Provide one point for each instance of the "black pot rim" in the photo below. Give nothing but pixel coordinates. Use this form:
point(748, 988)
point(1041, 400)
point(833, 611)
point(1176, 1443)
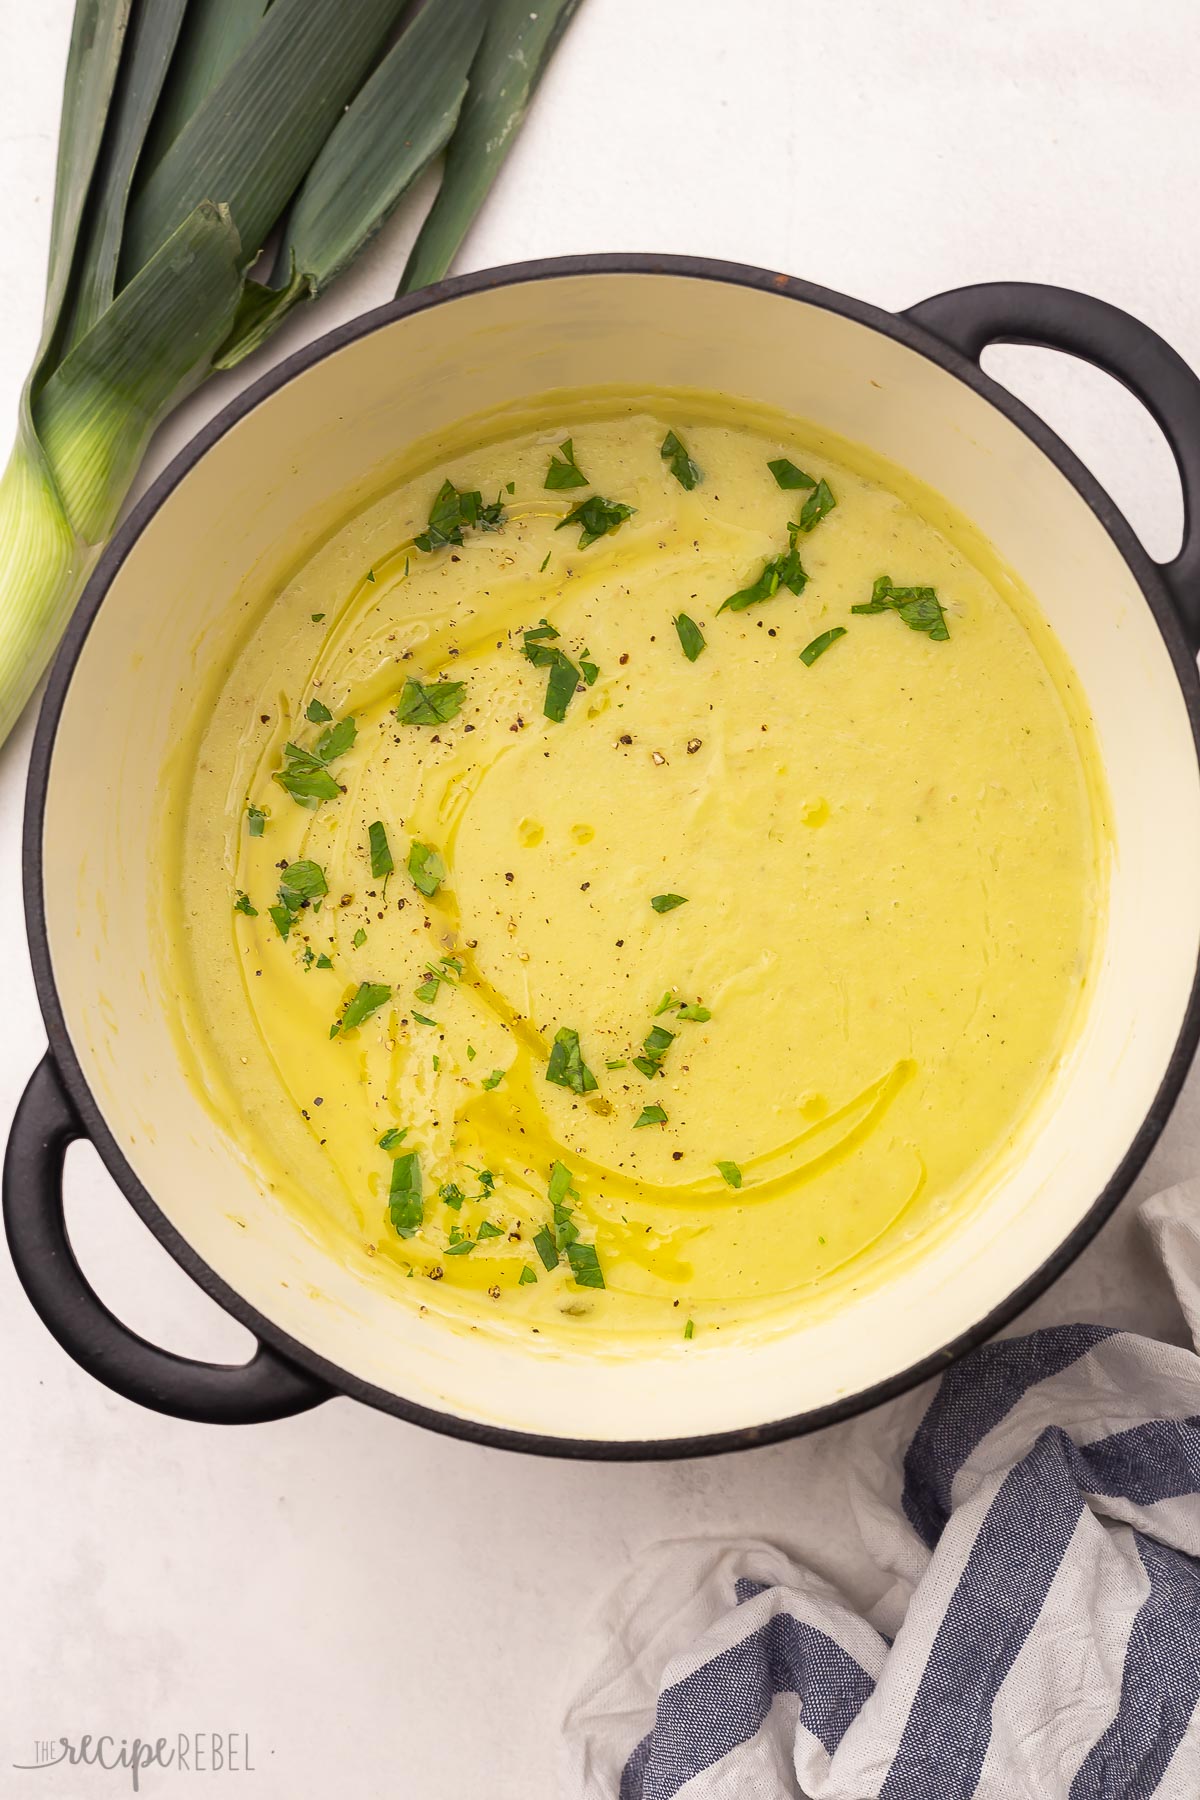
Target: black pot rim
point(896, 326)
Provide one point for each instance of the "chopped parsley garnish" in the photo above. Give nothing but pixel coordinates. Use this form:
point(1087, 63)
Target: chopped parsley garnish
point(787, 475)
point(566, 1067)
point(566, 1231)
point(654, 1047)
point(305, 777)
point(367, 999)
point(242, 904)
point(651, 1115)
point(564, 471)
point(381, 855)
point(431, 981)
point(452, 1194)
point(488, 1230)
point(324, 962)
point(691, 638)
point(256, 819)
point(537, 647)
point(359, 938)
point(406, 1208)
point(820, 644)
point(421, 1019)
point(526, 1276)
point(305, 774)
point(551, 1242)
point(619, 1063)
point(560, 688)
point(542, 571)
point(683, 468)
point(560, 1184)
point(316, 617)
point(301, 883)
point(596, 517)
point(689, 1330)
point(494, 1079)
point(731, 1172)
point(778, 571)
point(919, 607)
point(426, 868)
point(459, 1245)
point(370, 575)
point(585, 1265)
point(395, 1134)
point(335, 740)
point(699, 1015)
point(433, 703)
point(667, 902)
point(819, 502)
point(453, 512)
point(317, 713)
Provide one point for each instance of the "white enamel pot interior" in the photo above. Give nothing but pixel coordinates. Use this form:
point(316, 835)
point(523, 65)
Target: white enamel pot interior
point(294, 452)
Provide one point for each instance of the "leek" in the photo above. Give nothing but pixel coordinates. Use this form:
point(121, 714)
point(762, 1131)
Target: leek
point(519, 41)
point(193, 132)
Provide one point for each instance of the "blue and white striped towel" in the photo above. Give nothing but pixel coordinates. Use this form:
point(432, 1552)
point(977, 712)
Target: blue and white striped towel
point(1038, 1514)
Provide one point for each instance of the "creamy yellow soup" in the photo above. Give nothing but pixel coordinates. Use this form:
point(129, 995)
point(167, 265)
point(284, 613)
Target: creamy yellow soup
point(645, 935)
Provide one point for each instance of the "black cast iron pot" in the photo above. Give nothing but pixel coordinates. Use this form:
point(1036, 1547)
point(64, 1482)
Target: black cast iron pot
point(309, 437)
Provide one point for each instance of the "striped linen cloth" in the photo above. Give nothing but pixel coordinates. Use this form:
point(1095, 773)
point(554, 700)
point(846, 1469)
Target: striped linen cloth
point(1035, 1517)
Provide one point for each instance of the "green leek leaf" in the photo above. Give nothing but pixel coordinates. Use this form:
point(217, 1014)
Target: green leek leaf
point(97, 38)
point(153, 30)
point(254, 136)
point(519, 41)
point(260, 310)
point(214, 34)
point(399, 121)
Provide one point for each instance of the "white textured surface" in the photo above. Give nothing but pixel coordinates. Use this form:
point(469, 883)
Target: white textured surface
point(382, 1611)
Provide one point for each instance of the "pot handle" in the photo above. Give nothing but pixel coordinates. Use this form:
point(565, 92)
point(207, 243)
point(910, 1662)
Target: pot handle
point(267, 1387)
point(1024, 312)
